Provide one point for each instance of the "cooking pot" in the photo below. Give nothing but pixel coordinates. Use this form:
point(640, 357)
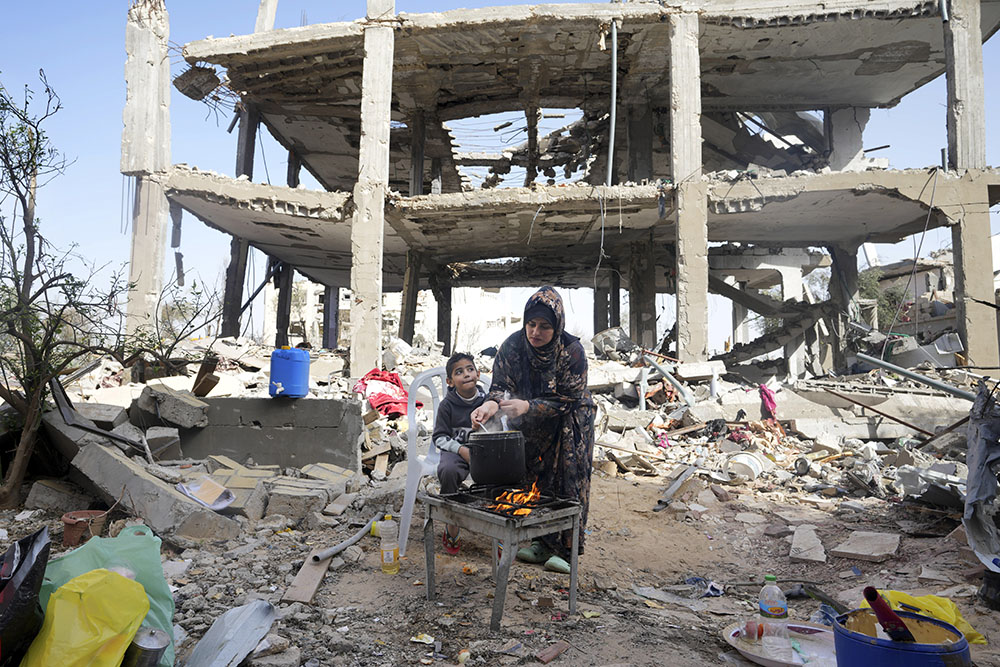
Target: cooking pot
point(497, 458)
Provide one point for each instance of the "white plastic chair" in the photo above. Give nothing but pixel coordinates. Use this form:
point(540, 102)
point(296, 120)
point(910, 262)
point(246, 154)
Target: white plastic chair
point(417, 466)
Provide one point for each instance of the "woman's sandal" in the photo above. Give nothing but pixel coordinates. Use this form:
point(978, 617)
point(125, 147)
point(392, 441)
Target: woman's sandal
point(536, 553)
point(451, 544)
point(557, 564)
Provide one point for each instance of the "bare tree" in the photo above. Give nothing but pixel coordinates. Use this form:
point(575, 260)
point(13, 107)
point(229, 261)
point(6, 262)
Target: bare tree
point(51, 315)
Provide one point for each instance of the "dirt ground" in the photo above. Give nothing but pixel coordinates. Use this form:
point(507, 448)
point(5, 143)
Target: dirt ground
point(630, 545)
point(360, 616)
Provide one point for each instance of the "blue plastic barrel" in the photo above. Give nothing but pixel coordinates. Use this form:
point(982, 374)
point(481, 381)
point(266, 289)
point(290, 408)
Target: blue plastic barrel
point(855, 649)
point(289, 373)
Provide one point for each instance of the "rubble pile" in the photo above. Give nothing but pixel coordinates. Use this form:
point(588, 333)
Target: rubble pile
point(702, 482)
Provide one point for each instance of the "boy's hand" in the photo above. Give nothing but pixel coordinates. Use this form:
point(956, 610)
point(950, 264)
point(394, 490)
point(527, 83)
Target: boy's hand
point(463, 451)
point(483, 413)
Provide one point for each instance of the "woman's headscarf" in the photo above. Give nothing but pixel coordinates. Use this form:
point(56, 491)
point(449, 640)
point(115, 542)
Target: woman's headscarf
point(546, 300)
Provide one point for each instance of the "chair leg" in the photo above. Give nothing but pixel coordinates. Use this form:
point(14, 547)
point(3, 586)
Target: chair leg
point(429, 554)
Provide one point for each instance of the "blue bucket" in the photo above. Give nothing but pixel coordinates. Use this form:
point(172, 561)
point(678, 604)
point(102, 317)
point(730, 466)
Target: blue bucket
point(855, 649)
point(289, 373)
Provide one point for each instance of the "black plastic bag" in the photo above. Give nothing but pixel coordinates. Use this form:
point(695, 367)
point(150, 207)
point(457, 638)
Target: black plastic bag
point(21, 572)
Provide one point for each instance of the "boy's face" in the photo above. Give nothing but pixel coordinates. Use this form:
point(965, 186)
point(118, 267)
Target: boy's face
point(464, 377)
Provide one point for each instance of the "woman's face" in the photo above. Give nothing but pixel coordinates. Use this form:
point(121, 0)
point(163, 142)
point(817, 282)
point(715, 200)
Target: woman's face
point(539, 332)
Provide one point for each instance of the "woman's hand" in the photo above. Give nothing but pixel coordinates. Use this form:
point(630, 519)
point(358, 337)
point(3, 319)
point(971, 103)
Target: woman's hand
point(483, 413)
point(514, 407)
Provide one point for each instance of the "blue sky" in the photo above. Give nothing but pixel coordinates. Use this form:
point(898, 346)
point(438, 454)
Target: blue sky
point(82, 53)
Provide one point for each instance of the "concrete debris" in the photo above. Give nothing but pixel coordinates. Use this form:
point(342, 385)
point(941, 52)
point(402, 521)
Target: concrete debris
point(806, 545)
point(178, 408)
point(867, 545)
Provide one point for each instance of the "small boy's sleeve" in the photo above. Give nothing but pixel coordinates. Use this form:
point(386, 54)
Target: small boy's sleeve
point(442, 422)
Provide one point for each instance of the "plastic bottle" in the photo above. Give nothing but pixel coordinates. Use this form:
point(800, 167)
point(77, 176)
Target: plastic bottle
point(389, 532)
point(773, 616)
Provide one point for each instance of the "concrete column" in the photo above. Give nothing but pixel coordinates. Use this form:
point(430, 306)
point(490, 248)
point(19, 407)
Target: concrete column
point(369, 193)
point(692, 193)
point(239, 249)
point(418, 135)
point(963, 49)
point(795, 349)
point(642, 294)
point(615, 298)
point(843, 292)
point(977, 323)
point(285, 277)
point(601, 308)
point(331, 317)
point(265, 15)
point(640, 143)
point(442, 295)
point(531, 115)
point(844, 134)
point(967, 150)
point(145, 151)
point(411, 287)
point(294, 169)
point(741, 316)
point(436, 176)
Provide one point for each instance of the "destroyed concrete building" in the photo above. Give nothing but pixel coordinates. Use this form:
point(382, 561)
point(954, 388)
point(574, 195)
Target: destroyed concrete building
point(693, 129)
point(843, 480)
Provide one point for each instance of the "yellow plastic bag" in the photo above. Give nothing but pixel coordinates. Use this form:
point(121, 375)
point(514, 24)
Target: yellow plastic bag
point(89, 622)
point(934, 606)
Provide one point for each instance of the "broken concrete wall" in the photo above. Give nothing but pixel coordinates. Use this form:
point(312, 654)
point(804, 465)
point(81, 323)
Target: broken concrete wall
point(280, 432)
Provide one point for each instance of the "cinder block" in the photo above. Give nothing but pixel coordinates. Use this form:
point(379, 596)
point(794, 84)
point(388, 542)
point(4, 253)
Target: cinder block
point(250, 495)
point(180, 408)
point(165, 509)
point(161, 438)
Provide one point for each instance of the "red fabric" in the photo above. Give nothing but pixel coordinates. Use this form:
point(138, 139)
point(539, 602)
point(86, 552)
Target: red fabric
point(768, 403)
point(385, 392)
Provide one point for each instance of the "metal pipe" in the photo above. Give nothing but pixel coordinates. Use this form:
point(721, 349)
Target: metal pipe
point(614, 99)
point(954, 391)
point(681, 389)
point(333, 551)
point(879, 412)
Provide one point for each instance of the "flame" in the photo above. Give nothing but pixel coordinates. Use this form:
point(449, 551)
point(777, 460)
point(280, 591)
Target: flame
point(517, 497)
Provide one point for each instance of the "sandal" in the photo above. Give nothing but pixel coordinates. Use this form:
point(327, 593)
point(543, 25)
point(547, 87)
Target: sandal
point(536, 553)
point(451, 544)
point(557, 564)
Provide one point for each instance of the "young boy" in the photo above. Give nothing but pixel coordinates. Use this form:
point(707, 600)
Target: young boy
point(451, 428)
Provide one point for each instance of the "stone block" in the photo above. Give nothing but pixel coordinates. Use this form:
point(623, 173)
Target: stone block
point(56, 495)
point(180, 408)
point(626, 391)
point(806, 545)
point(104, 415)
point(295, 502)
point(866, 545)
point(283, 433)
point(165, 509)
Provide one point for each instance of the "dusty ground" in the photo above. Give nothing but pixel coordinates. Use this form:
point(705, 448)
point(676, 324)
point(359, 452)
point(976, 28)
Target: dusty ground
point(361, 616)
point(628, 544)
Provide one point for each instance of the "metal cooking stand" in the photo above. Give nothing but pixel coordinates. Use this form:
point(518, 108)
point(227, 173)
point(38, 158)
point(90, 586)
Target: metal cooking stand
point(511, 530)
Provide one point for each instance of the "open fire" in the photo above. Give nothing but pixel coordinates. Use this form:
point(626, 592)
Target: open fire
point(517, 502)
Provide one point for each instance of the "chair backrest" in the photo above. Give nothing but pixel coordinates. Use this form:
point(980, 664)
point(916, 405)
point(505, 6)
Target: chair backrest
point(436, 382)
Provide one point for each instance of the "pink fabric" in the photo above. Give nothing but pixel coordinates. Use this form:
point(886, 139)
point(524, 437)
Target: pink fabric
point(384, 391)
point(768, 403)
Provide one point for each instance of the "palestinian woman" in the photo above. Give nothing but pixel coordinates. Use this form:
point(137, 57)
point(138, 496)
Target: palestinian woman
point(540, 379)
